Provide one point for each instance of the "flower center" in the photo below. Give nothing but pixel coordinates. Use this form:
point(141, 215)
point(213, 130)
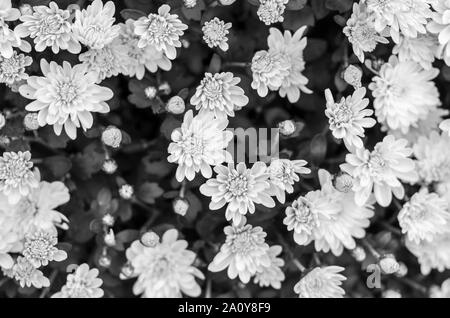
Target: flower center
point(52, 25)
point(67, 93)
point(159, 29)
point(303, 213)
point(212, 89)
point(243, 243)
point(376, 163)
point(238, 186)
point(193, 145)
point(14, 170)
point(342, 115)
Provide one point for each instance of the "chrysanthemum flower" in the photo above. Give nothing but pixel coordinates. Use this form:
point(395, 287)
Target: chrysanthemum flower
point(12, 70)
point(283, 173)
point(218, 93)
point(321, 282)
point(244, 251)
point(269, 70)
point(83, 283)
point(39, 248)
point(66, 96)
point(16, 177)
point(271, 275)
point(440, 25)
point(424, 216)
point(9, 40)
point(49, 27)
point(162, 30)
point(239, 188)
point(442, 291)
point(198, 144)
point(94, 26)
point(7, 12)
point(26, 274)
point(381, 170)
point(404, 93)
point(165, 270)
point(349, 117)
point(140, 59)
point(361, 32)
point(271, 11)
point(423, 50)
point(215, 33)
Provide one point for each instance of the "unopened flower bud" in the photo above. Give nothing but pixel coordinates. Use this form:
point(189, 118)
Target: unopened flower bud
point(127, 271)
point(108, 220)
point(287, 127)
point(104, 261)
point(359, 254)
point(126, 191)
point(2, 121)
point(352, 75)
point(110, 238)
point(109, 166)
point(391, 293)
point(185, 43)
point(389, 264)
point(26, 9)
point(180, 206)
point(402, 270)
point(30, 121)
point(151, 92)
point(164, 88)
point(176, 105)
point(190, 3)
point(227, 2)
point(344, 183)
point(150, 239)
point(4, 140)
point(112, 136)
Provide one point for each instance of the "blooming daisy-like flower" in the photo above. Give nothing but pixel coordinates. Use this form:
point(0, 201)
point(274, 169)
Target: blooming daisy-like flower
point(16, 177)
point(9, 40)
point(49, 27)
point(12, 70)
point(271, 275)
point(349, 117)
point(218, 93)
point(162, 30)
point(283, 173)
point(433, 254)
point(198, 144)
point(423, 50)
point(381, 170)
point(39, 248)
point(164, 270)
point(291, 46)
point(408, 18)
point(140, 59)
point(269, 70)
point(83, 283)
point(215, 33)
point(94, 26)
point(26, 274)
point(440, 25)
point(243, 253)
point(239, 188)
point(7, 12)
point(321, 282)
point(404, 93)
point(66, 96)
point(442, 291)
point(361, 32)
point(271, 11)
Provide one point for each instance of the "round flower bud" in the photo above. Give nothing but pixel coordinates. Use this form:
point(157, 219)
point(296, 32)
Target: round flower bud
point(186, 44)
point(110, 238)
point(126, 191)
point(109, 166)
point(104, 261)
point(2, 121)
point(352, 75)
point(151, 92)
point(402, 270)
point(180, 206)
point(4, 140)
point(30, 121)
point(391, 293)
point(359, 254)
point(176, 105)
point(286, 127)
point(164, 88)
point(127, 271)
point(227, 2)
point(112, 136)
point(389, 264)
point(108, 220)
point(343, 183)
point(26, 9)
point(190, 3)
point(150, 239)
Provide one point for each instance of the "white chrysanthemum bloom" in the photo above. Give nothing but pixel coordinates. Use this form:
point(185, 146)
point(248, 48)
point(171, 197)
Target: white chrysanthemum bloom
point(39, 248)
point(442, 291)
point(269, 69)
point(9, 40)
point(271, 275)
point(408, 18)
point(321, 282)
point(283, 174)
point(433, 254)
point(271, 11)
point(433, 157)
point(424, 216)
point(16, 177)
point(66, 96)
point(348, 117)
point(306, 213)
point(7, 12)
point(83, 283)
point(404, 93)
point(198, 144)
point(381, 170)
point(165, 270)
point(422, 50)
point(440, 25)
point(12, 70)
point(94, 26)
point(218, 93)
point(239, 188)
point(109, 61)
point(361, 32)
point(244, 251)
point(26, 274)
point(162, 30)
point(215, 33)
point(340, 230)
point(49, 27)
point(445, 126)
point(140, 59)
point(291, 46)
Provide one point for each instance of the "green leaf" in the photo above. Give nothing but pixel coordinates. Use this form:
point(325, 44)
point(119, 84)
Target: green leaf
point(58, 166)
point(149, 191)
point(318, 148)
point(339, 5)
point(132, 14)
point(294, 20)
point(296, 4)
